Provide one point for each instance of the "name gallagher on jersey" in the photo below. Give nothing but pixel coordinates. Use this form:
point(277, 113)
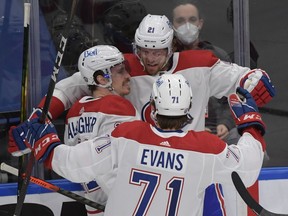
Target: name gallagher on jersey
point(83, 125)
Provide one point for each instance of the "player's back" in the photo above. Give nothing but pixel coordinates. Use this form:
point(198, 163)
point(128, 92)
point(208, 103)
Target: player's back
point(161, 173)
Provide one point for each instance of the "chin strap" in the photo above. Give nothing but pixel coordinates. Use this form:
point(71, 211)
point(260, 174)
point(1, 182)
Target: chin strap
point(189, 120)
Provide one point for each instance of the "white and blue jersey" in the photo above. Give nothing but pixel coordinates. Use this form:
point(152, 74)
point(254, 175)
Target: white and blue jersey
point(147, 171)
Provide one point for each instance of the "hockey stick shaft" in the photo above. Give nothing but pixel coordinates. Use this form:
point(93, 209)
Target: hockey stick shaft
point(23, 112)
point(273, 111)
point(57, 64)
point(24, 81)
point(248, 199)
point(25, 183)
point(9, 169)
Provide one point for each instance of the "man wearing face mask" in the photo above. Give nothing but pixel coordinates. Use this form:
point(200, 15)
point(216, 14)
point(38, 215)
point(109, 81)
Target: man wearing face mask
point(187, 23)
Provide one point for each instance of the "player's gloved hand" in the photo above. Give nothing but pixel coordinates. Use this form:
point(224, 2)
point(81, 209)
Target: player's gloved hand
point(19, 132)
point(17, 145)
point(258, 83)
point(245, 111)
point(42, 138)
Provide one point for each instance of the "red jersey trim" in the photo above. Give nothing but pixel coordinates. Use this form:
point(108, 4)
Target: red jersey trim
point(56, 107)
point(195, 58)
point(110, 104)
point(186, 59)
point(143, 133)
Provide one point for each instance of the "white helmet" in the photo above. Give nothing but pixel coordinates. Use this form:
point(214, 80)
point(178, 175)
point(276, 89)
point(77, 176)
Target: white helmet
point(172, 95)
point(100, 57)
point(155, 32)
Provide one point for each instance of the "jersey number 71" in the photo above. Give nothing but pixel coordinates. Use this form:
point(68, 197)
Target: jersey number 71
point(151, 182)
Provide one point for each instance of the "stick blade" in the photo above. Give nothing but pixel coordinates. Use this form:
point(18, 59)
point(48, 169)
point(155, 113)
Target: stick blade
point(245, 195)
point(248, 199)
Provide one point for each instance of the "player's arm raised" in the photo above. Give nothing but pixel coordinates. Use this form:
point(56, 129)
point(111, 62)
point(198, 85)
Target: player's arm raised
point(247, 156)
point(251, 127)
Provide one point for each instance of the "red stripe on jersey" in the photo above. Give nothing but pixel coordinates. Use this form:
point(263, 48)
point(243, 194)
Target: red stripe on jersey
point(142, 133)
point(220, 199)
point(195, 58)
point(56, 107)
point(254, 191)
point(187, 59)
point(96, 211)
point(109, 104)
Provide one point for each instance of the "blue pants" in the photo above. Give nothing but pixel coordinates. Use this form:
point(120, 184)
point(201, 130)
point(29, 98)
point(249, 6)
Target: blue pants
point(214, 201)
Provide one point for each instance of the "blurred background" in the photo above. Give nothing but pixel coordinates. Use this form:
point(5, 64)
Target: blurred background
point(241, 28)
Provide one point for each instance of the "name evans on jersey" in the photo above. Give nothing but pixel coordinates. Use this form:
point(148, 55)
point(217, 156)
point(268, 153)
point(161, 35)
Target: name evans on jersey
point(162, 159)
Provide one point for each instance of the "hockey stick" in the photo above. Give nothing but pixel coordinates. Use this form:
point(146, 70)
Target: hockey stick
point(51, 87)
point(248, 199)
point(24, 81)
point(9, 169)
point(25, 183)
point(273, 111)
point(23, 112)
point(60, 53)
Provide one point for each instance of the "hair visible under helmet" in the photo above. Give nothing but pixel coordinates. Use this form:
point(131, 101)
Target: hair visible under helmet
point(172, 96)
point(154, 32)
point(99, 58)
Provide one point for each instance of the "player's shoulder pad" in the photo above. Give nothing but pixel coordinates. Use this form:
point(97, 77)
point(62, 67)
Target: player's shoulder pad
point(131, 130)
point(114, 104)
point(196, 58)
point(205, 142)
point(110, 104)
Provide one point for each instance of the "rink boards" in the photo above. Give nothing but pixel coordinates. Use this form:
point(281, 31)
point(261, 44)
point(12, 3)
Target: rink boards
point(271, 191)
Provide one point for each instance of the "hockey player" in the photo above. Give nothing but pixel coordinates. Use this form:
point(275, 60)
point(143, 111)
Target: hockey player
point(163, 169)
point(208, 76)
point(102, 68)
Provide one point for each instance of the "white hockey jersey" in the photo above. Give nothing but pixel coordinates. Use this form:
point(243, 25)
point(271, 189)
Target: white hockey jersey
point(150, 172)
point(207, 75)
point(90, 117)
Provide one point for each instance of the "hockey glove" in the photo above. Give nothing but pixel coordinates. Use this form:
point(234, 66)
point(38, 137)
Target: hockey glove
point(17, 144)
point(18, 134)
point(245, 111)
point(42, 138)
point(258, 83)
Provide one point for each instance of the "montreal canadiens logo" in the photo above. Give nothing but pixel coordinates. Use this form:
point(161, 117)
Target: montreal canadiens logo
point(145, 113)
